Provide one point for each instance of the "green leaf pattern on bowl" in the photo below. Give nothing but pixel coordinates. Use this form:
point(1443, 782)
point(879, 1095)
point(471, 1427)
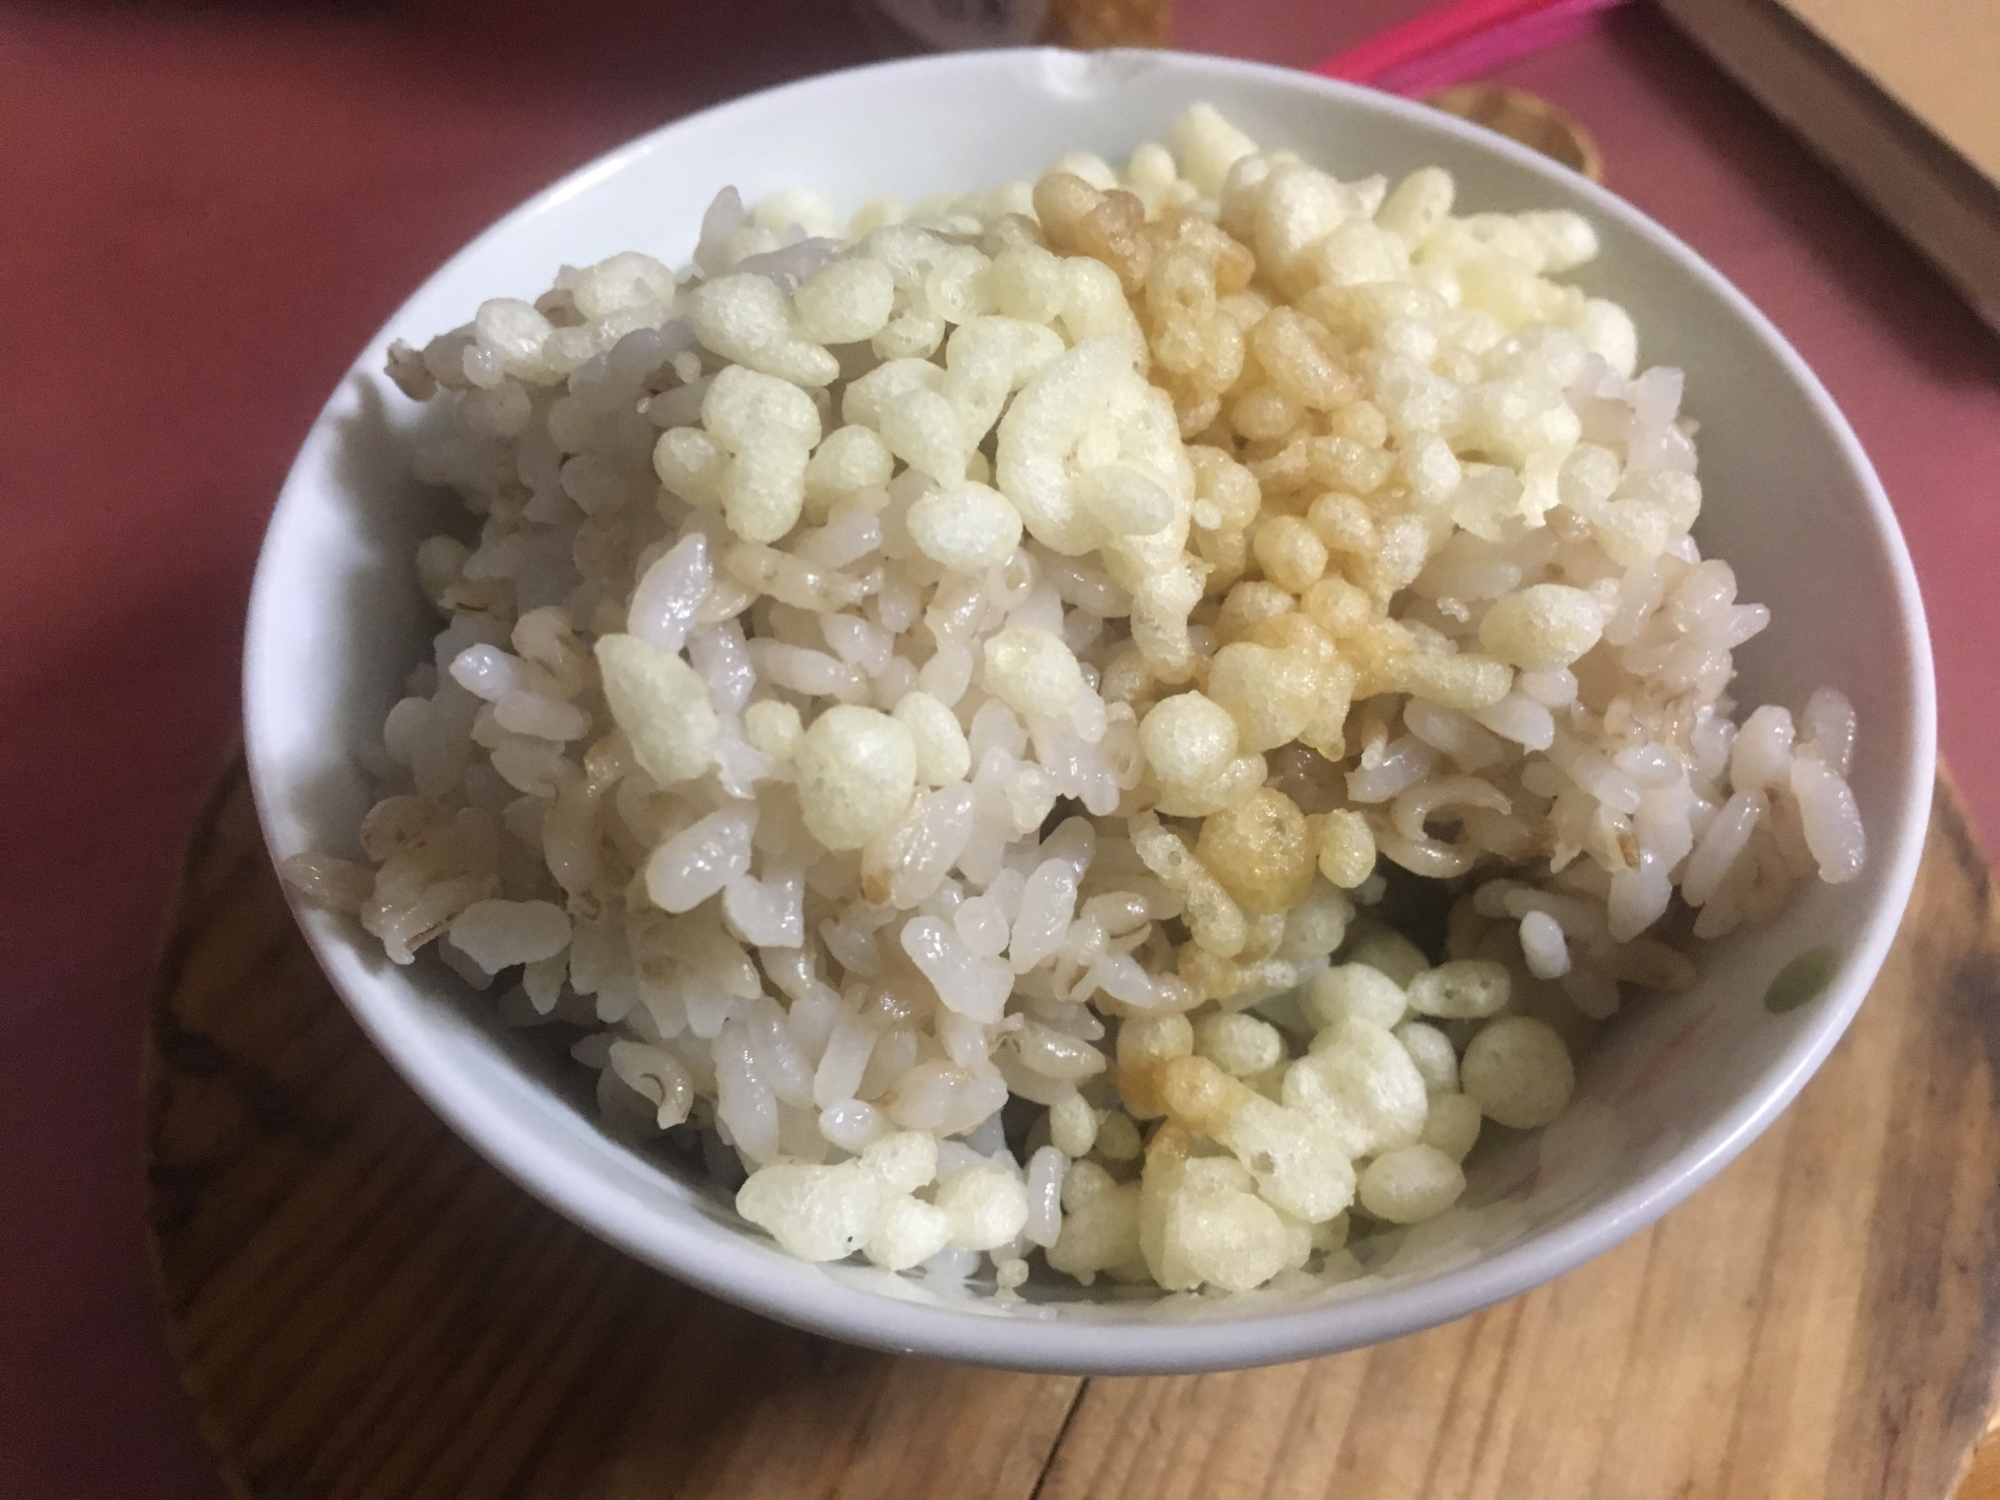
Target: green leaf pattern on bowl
point(1802, 979)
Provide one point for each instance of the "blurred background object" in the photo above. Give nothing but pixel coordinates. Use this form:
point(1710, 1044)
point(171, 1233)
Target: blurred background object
point(1902, 101)
point(1112, 23)
point(1527, 118)
point(1435, 54)
point(947, 25)
point(1432, 54)
point(1449, 43)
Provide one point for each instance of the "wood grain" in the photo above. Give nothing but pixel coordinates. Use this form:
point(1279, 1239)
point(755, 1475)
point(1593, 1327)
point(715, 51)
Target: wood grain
point(361, 1307)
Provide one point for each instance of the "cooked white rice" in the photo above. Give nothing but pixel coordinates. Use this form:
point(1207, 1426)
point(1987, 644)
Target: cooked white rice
point(936, 705)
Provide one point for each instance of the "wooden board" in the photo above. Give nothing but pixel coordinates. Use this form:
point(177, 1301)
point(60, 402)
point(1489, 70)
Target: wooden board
point(361, 1307)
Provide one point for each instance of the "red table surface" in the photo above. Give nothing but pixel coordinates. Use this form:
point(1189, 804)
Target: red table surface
point(208, 212)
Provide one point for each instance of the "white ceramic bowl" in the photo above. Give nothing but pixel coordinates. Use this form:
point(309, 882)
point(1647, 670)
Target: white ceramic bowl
point(1672, 1090)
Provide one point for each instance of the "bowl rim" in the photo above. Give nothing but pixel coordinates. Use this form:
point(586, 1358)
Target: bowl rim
point(854, 1314)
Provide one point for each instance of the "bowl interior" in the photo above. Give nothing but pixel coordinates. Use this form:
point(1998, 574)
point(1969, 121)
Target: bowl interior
point(1669, 1092)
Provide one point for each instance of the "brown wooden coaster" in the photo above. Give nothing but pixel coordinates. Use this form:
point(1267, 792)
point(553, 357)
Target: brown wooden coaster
point(361, 1306)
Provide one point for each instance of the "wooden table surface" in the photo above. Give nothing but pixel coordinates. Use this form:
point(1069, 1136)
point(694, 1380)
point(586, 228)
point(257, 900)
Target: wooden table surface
point(365, 1309)
point(212, 207)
